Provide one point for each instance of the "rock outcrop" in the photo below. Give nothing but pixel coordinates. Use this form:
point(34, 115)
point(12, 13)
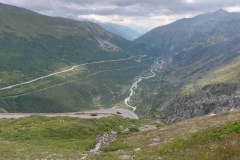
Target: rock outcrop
point(147, 128)
point(103, 141)
point(212, 99)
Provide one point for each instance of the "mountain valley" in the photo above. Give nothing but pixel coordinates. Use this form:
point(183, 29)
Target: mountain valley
point(181, 82)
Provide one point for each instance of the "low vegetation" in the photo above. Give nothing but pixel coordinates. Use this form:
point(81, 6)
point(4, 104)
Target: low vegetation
point(211, 137)
point(37, 137)
point(63, 133)
point(2, 110)
point(98, 86)
point(229, 73)
point(227, 130)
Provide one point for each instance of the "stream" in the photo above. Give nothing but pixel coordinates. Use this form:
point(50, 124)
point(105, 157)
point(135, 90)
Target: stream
point(134, 87)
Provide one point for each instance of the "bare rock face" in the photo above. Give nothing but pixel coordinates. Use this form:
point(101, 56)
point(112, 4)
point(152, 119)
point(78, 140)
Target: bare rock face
point(107, 46)
point(209, 100)
point(147, 128)
point(103, 141)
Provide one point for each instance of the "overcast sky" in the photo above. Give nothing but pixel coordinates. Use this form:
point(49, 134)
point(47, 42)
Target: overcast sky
point(144, 13)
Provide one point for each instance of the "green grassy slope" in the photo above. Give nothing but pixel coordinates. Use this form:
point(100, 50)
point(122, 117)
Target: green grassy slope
point(208, 137)
point(90, 87)
point(229, 73)
point(33, 45)
point(39, 137)
point(47, 44)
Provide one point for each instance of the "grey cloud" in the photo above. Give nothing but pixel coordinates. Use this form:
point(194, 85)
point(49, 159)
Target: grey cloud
point(127, 7)
point(143, 8)
point(36, 5)
point(123, 8)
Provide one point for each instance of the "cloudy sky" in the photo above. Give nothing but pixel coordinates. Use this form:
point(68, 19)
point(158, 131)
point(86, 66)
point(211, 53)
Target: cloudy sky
point(143, 13)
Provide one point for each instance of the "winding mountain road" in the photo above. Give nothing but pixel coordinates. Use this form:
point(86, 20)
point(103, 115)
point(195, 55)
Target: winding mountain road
point(60, 84)
point(68, 70)
point(84, 115)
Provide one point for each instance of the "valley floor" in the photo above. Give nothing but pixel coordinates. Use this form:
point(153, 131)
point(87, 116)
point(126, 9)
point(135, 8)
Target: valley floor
point(94, 85)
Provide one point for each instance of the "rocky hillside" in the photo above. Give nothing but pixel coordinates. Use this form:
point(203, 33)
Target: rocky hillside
point(187, 34)
point(198, 53)
point(207, 100)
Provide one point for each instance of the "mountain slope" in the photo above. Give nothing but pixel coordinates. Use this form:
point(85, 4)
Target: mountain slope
point(207, 137)
point(120, 30)
point(200, 74)
point(45, 44)
point(206, 29)
point(33, 45)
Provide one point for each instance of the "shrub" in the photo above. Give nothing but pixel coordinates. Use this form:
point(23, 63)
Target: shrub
point(226, 130)
point(2, 110)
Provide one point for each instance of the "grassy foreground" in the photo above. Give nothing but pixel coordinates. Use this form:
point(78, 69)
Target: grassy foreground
point(39, 137)
point(205, 138)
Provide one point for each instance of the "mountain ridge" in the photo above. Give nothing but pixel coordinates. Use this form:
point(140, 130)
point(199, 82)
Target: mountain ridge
point(121, 30)
point(188, 51)
point(186, 24)
point(186, 76)
point(34, 45)
point(194, 50)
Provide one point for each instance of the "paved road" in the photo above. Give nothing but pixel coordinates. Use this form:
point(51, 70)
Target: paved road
point(74, 80)
point(125, 112)
point(85, 115)
point(68, 70)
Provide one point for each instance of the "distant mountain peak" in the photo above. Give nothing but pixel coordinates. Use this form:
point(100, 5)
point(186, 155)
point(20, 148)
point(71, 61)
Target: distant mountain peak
point(3, 6)
point(8, 7)
point(221, 11)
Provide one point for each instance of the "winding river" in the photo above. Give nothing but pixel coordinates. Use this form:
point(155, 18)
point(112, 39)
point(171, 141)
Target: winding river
point(134, 87)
